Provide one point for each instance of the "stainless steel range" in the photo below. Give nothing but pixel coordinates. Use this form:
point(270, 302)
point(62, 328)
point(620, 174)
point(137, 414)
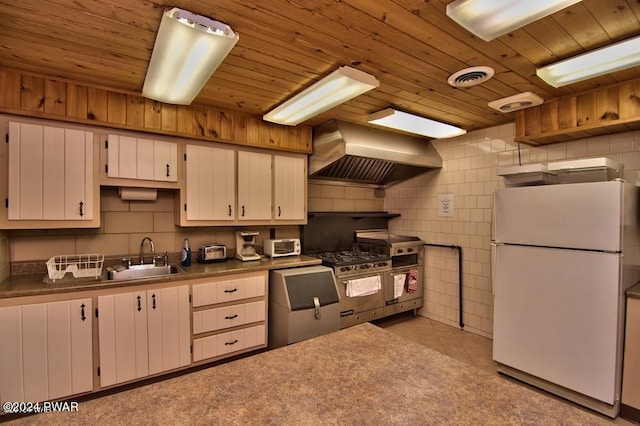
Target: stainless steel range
point(378, 273)
point(402, 283)
point(360, 276)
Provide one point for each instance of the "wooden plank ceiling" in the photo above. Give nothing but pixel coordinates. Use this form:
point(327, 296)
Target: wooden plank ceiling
point(411, 46)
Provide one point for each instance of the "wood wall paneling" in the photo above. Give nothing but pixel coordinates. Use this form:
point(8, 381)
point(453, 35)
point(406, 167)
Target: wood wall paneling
point(37, 96)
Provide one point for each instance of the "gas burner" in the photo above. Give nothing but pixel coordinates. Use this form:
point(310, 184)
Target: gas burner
point(350, 263)
point(339, 258)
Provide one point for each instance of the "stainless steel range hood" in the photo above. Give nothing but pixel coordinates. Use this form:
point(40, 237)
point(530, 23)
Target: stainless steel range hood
point(352, 153)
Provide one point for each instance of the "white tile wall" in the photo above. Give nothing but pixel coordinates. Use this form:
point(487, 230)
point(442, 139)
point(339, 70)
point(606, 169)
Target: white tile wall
point(468, 173)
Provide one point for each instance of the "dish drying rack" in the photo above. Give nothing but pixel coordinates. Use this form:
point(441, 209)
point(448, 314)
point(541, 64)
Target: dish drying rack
point(80, 265)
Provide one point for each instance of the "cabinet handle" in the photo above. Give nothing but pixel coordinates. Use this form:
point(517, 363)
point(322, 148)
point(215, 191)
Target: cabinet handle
point(82, 315)
point(81, 209)
point(153, 301)
point(139, 303)
point(243, 211)
point(229, 210)
point(231, 291)
point(168, 170)
point(279, 211)
point(230, 317)
point(231, 343)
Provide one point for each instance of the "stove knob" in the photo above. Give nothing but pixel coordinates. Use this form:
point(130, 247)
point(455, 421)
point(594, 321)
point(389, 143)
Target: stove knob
point(345, 269)
point(410, 250)
point(381, 264)
point(400, 251)
point(365, 266)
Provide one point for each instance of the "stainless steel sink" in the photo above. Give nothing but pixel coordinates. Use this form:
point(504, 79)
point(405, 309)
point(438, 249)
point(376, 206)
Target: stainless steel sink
point(141, 271)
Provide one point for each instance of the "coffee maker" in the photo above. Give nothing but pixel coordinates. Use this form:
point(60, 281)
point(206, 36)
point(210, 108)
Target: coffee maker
point(246, 245)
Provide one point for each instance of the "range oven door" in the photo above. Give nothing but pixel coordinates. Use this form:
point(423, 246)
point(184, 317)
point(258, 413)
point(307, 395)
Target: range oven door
point(358, 309)
point(403, 289)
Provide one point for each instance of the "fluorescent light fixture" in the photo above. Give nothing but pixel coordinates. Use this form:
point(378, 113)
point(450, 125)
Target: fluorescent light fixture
point(489, 19)
point(414, 124)
point(343, 84)
point(188, 49)
point(615, 57)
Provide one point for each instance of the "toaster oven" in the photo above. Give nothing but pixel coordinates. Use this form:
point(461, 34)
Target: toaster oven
point(282, 247)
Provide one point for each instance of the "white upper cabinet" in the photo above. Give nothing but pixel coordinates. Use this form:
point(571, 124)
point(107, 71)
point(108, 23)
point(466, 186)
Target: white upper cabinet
point(254, 186)
point(290, 187)
point(51, 176)
point(211, 184)
point(144, 159)
point(224, 186)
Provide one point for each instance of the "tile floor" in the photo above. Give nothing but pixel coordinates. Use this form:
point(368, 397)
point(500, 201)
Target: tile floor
point(452, 341)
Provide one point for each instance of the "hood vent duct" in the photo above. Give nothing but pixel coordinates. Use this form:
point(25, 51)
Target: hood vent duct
point(352, 153)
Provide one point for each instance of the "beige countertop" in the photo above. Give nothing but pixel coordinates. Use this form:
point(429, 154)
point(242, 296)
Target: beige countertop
point(357, 376)
point(634, 292)
point(34, 284)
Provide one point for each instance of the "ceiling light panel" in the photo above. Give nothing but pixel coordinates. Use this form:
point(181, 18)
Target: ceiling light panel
point(615, 57)
point(187, 51)
point(338, 87)
point(489, 19)
point(399, 120)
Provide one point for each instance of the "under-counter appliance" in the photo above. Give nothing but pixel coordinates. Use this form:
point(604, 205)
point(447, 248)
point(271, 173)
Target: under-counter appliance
point(563, 257)
point(246, 245)
point(303, 303)
point(403, 288)
point(281, 247)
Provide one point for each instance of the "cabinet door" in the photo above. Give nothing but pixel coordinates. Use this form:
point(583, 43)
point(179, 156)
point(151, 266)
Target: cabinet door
point(46, 350)
point(169, 328)
point(210, 186)
point(34, 352)
point(11, 388)
point(165, 161)
point(50, 173)
point(138, 158)
point(78, 176)
point(69, 348)
point(289, 187)
point(122, 157)
point(254, 186)
point(122, 325)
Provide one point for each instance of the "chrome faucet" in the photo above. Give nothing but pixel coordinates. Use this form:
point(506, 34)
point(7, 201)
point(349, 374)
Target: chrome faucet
point(153, 248)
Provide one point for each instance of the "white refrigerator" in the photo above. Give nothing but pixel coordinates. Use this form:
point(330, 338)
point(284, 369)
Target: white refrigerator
point(562, 258)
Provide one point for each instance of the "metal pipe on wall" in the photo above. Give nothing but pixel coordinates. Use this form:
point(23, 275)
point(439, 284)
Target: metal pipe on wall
point(459, 248)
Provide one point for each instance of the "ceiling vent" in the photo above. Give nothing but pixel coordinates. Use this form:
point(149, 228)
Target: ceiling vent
point(470, 76)
point(516, 102)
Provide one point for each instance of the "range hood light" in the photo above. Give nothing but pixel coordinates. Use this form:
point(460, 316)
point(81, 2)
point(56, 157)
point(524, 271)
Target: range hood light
point(399, 120)
point(615, 57)
point(338, 87)
point(489, 19)
point(188, 49)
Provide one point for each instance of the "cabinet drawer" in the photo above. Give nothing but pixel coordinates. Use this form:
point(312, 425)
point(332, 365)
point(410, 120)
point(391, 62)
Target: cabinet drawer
point(226, 343)
point(228, 316)
point(403, 306)
point(228, 290)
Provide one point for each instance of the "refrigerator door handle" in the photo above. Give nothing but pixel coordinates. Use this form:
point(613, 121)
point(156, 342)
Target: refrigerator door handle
point(494, 260)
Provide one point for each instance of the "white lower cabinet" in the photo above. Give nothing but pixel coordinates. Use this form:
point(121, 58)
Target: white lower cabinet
point(143, 333)
point(229, 315)
point(46, 350)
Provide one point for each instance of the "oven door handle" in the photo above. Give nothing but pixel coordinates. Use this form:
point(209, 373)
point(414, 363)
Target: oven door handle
point(316, 303)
